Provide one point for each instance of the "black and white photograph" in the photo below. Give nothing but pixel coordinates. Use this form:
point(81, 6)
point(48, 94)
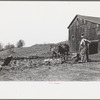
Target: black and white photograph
point(49, 50)
point(49, 41)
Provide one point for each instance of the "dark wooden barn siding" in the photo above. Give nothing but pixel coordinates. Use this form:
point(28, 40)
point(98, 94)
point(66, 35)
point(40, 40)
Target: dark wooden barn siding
point(98, 35)
point(81, 27)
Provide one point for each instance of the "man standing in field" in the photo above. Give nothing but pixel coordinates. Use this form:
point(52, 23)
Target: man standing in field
point(84, 45)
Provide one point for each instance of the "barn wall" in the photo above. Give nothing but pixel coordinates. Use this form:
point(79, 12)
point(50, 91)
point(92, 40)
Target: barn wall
point(98, 36)
point(72, 40)
point(81, 27)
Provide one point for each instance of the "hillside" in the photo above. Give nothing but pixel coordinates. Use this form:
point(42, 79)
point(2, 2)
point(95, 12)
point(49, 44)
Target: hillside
point(37, 70)
point(41, 50)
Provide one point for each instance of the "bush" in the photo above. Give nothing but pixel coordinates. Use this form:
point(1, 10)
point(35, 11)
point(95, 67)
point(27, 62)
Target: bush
point(20, 43)
point(9, 46)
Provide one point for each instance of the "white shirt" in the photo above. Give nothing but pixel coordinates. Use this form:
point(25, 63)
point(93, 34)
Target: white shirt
point(82, 43)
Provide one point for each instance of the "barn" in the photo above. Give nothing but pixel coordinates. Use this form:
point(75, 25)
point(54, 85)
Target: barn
point(84, 25)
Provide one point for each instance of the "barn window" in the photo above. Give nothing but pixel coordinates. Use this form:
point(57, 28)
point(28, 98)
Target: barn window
point(73, 37)
point(82, 34)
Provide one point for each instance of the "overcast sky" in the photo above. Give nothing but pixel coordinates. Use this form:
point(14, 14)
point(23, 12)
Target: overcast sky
point(41, 21)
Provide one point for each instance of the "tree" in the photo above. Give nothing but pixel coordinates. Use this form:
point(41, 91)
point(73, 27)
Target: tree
point(9, 46)
point(20, 43)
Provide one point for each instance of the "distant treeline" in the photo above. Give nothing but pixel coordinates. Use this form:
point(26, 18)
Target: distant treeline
point(9, 46)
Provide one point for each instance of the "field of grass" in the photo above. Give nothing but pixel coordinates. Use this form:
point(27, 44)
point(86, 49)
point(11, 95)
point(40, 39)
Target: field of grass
point(42, 50)
point(36, 70)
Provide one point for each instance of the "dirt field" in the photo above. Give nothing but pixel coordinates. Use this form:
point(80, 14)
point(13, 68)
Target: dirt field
point(56, 72)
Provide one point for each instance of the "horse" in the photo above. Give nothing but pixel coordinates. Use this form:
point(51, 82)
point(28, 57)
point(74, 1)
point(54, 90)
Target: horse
point(63, 50)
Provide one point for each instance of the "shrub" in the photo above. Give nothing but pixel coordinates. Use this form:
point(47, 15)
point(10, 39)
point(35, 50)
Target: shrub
point(20, 43)
point(9, 46)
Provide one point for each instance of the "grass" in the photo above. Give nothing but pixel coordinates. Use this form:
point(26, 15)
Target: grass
point(37, 71)
point(42, 50)
point(55, 72)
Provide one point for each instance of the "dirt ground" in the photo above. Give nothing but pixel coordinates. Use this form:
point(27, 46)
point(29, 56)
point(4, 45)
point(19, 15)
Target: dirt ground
point(37, 71)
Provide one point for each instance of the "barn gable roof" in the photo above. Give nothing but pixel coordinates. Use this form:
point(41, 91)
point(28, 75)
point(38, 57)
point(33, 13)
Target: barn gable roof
point(87, 18)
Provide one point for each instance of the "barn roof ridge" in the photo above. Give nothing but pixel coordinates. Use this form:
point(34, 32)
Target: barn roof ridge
point(88, 18)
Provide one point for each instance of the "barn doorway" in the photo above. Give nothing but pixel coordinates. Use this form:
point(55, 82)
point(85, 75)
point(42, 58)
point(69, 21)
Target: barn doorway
point(93, 47)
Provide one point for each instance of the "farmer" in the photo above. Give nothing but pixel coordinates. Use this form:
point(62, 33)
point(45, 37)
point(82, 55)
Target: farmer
point(84, 49)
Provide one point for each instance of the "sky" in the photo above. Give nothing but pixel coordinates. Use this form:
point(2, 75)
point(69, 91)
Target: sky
point(38, 22)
